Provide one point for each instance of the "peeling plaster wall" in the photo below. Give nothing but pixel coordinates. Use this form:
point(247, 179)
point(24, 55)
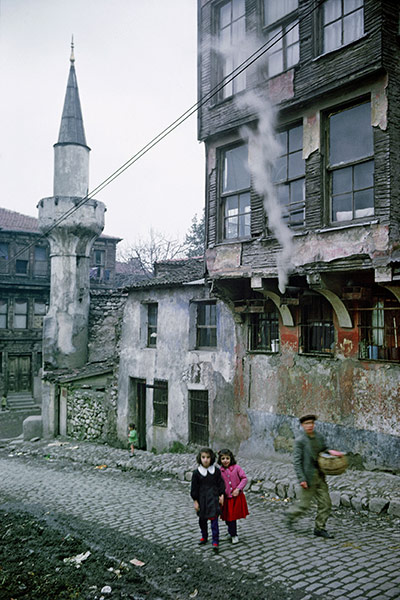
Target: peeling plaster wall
point(356, 402)
point(176, 361)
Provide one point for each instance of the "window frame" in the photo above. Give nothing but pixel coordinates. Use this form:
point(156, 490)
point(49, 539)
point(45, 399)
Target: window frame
point(329, 168)
point(285, 23)
point(379, 329)
point(256, 328)
point(4, 314)
point(40, 265)
point(18, 315)
point(223, 197)
point(160, 403)
point(341, 18)
point(238, 84)
point(211, 328)
point(310, 324)
point(289, 181)
point(151, 328)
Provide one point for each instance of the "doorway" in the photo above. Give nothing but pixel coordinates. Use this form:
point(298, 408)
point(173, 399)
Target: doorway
point(198, 417)
point(19, 373)
point(137, 409)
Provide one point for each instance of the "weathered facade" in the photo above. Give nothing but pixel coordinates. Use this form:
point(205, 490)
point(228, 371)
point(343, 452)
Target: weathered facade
point(172, 373)
point(302, 215)
point(24, 300)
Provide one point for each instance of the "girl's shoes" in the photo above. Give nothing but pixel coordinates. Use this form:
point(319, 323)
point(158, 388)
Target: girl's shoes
point(202, 542)
point(235, 539)
point(215, 548)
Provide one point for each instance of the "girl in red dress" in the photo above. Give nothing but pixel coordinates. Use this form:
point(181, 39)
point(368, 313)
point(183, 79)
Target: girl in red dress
point(235, 505)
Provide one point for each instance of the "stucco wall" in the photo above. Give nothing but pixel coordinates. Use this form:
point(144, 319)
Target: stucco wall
point(176, 361)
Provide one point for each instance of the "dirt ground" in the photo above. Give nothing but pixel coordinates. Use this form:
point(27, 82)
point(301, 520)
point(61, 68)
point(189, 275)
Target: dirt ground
point(34, 565)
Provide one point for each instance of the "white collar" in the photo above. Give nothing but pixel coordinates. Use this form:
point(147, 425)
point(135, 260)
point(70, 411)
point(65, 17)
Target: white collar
point(203, 471)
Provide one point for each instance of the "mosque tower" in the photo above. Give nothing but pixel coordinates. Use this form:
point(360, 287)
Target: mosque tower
point(71, 224)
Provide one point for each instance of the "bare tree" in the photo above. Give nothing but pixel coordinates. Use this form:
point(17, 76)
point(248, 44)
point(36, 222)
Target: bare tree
point(156, 248)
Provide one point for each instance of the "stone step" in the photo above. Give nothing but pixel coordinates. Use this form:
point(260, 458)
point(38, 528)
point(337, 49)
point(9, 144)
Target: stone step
point(20, 401)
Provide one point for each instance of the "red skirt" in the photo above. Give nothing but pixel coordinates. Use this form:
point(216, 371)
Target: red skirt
point(235, 508)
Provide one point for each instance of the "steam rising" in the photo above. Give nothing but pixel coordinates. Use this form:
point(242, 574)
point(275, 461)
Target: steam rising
point(263, 152)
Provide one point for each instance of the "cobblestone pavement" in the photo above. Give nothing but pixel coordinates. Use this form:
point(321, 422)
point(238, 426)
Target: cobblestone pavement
point(362, 562)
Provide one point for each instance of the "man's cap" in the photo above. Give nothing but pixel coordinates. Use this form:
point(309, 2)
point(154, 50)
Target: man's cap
point(307, 418)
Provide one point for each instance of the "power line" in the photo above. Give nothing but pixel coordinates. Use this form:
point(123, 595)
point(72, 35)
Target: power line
point(256, 55)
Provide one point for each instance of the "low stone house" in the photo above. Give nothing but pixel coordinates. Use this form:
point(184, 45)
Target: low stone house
point(176, 367)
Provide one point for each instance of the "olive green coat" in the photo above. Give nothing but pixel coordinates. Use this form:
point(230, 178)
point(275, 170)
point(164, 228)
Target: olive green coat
point(304, 459)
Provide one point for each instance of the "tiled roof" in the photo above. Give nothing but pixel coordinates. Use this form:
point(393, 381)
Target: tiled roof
point(174, 272)
point(14, 221)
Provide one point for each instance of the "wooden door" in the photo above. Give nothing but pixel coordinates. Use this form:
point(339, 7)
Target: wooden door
point(19, 373)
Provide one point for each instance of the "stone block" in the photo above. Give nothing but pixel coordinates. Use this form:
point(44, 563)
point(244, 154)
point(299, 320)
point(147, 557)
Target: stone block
point(256, 488)
point(377, 505)
point(345, 500)
point(32, 427)
point(356, 503)
point(188, 476)
point(281, 488)
point(394, 507)
point(269, 488)
point(335, 498)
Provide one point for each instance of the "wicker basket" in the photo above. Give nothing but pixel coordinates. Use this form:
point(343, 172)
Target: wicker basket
point(332, 465)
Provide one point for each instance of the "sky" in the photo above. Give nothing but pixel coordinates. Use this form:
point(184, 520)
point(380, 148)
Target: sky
point(136, 66)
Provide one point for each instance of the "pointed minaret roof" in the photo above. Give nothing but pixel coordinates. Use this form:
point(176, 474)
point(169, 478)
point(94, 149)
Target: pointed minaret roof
point(71, 129)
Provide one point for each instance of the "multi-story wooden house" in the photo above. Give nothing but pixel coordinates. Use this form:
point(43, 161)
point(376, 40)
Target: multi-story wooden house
point(24, 297)
point(302, 214)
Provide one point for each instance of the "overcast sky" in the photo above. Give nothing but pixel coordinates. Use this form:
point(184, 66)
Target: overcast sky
point(135, 62)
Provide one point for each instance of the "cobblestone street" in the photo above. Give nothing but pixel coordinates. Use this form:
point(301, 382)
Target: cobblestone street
point(362, 561)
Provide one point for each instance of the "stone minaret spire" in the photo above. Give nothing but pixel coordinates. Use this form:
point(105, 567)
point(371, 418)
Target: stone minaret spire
point(71, 154)
point(71, 229)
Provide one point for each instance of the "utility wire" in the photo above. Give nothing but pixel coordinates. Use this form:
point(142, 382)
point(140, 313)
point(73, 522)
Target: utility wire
point(181, 119)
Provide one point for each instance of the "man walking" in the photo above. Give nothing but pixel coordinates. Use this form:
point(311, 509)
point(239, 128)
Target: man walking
point(313, 485)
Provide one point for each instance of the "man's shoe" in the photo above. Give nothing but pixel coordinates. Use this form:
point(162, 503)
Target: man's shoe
point(202, 542)
point(235, 539)
point(323, 533)
point(215, 548)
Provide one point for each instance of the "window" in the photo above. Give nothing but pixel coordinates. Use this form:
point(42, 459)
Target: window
point(40, 262)
point(283, 32)
point(235, 193)
point(39, 310)
point(206, 325)
point(380, 330)
point(152, 315)
point(342, 23)
point(198, 417)
point(22, 260)
point(3, 257)
point(160, 403)
point(20, 314)
point(264, 331)
point(289, 177)
point(98, 262)
point(317, 331)
point(351, 164)
point(3, 314)
point(231, 32)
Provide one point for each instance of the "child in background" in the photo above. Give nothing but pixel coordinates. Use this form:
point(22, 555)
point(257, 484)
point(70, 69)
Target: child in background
point(132, 438)
point(207, 492)
point(235, 505)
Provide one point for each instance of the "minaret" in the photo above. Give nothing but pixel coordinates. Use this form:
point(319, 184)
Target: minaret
point(71, 230)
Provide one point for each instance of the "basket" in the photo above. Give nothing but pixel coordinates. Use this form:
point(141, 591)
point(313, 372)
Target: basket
point(332, 465)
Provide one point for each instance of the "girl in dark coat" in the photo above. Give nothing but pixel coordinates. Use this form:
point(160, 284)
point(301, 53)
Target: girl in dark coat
point(207, 492)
